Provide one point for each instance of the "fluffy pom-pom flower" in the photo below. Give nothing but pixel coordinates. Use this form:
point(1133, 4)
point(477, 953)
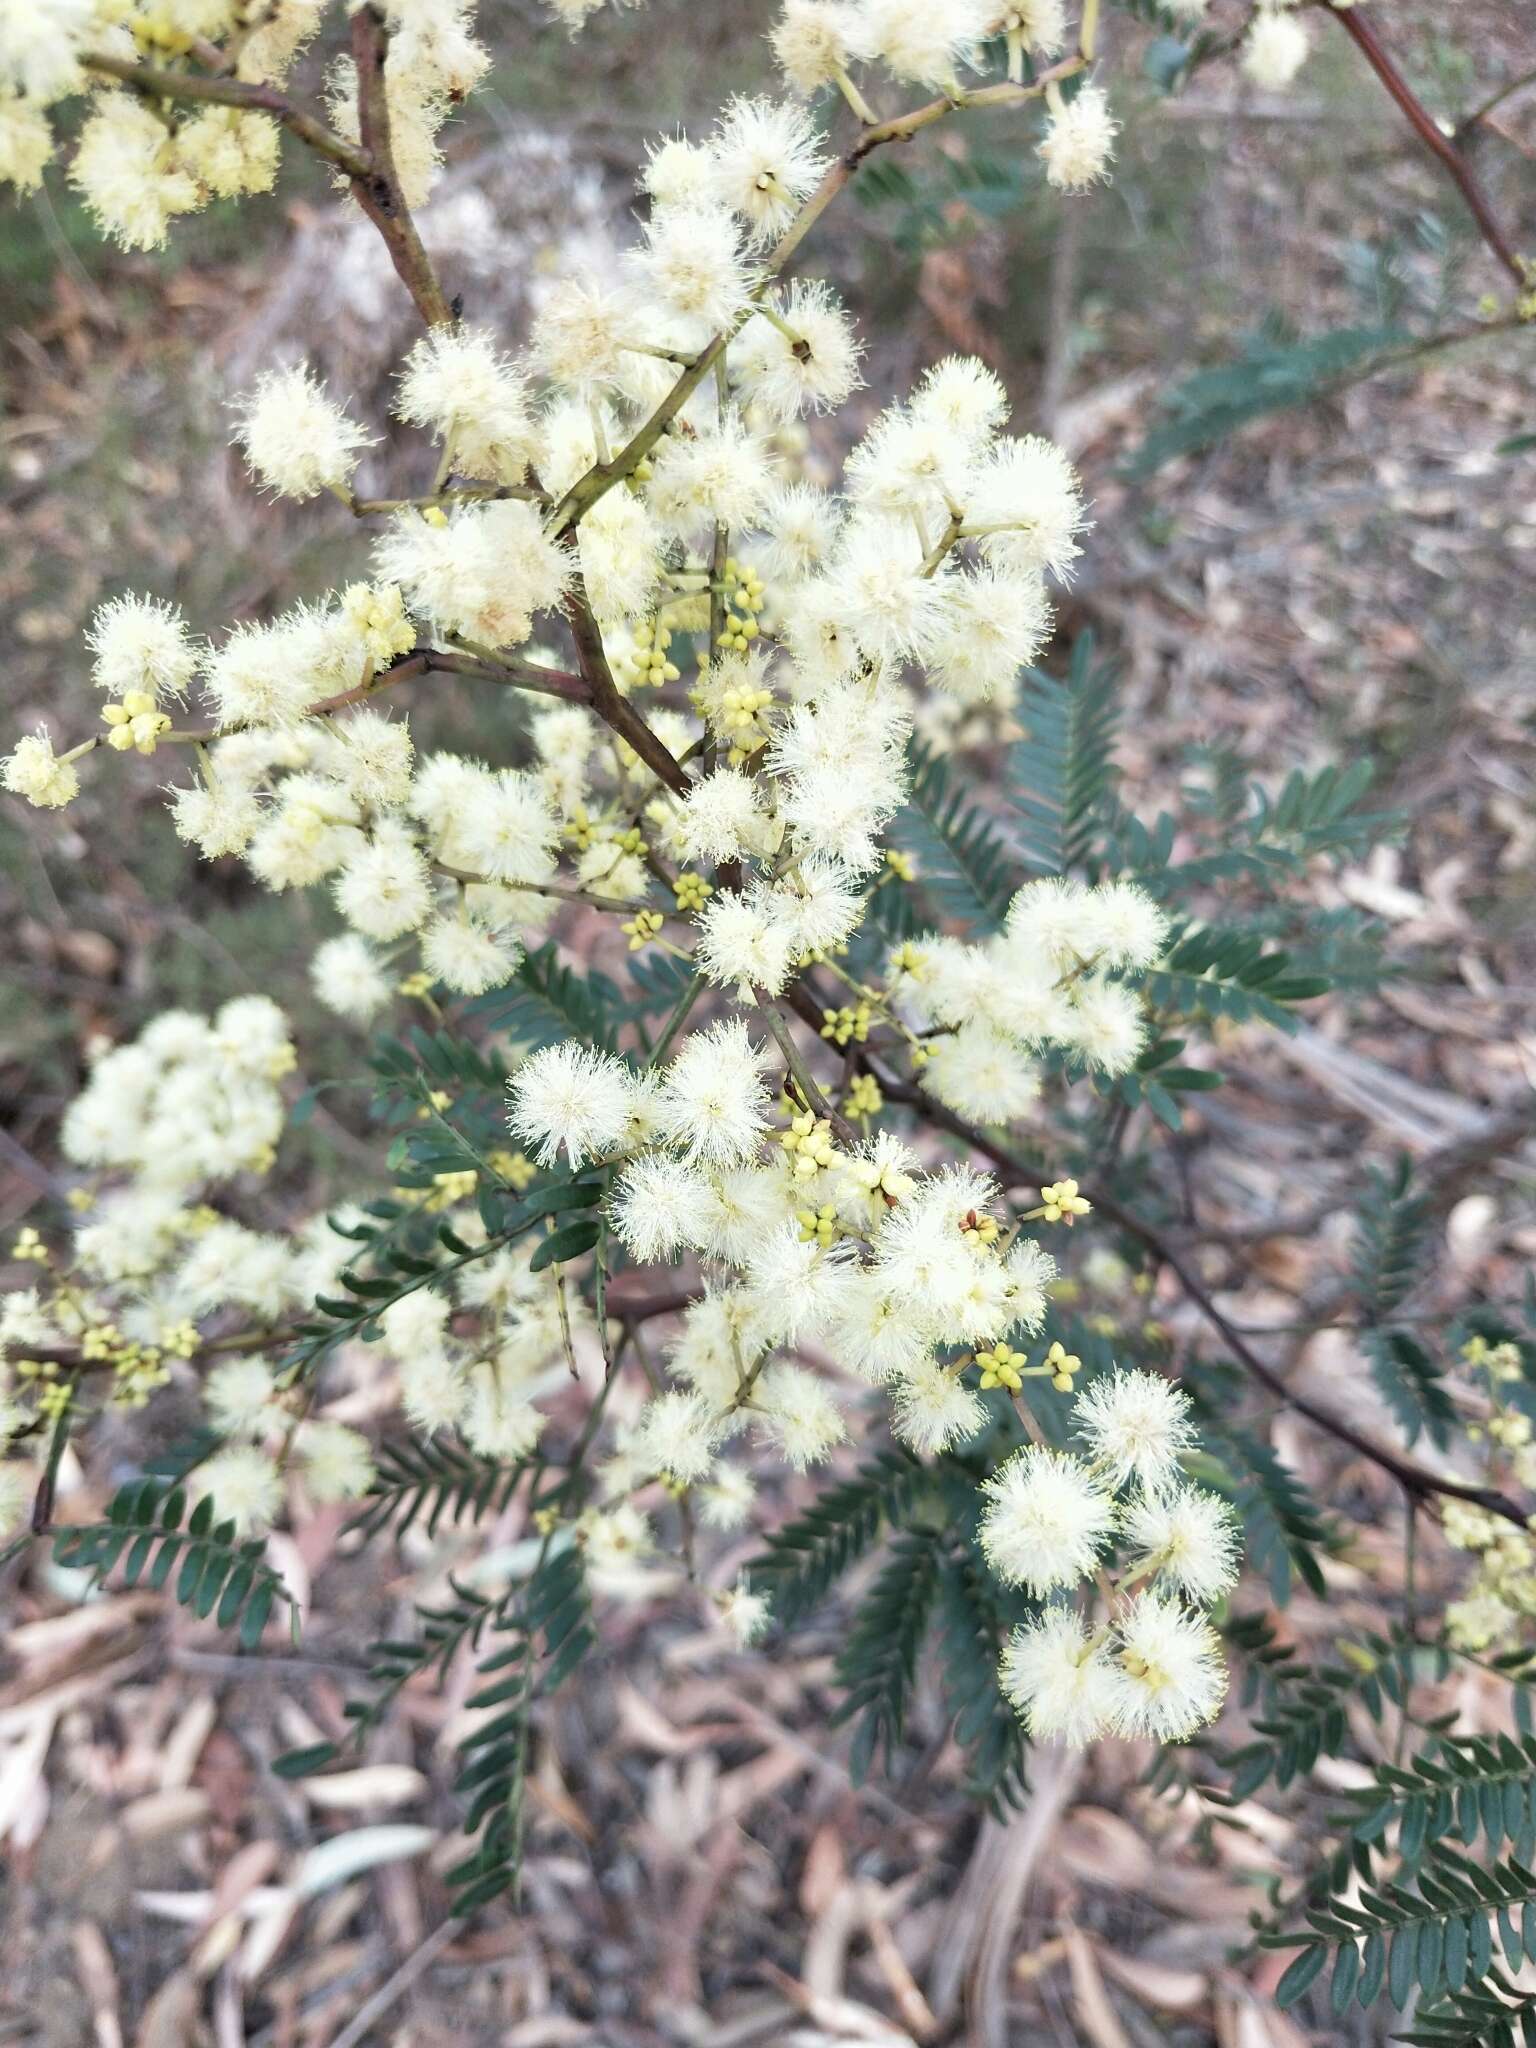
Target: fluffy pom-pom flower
point(337, 1462)
point(457, 385)
point(932, 1409)
point(571, 1097)
point(677, 1436)
point(1136, 1425)
point(1028, 491)
point(926, 41)
point(483, 574)
point(744, 943)
point(1124, 926)
point(1061, 1680)
point(814, 367)
point(1275, 49)
point(797, 1413)
point(298, 441)
point(1170, 1677)
point(713, 1101)
point(816, 40)
point(1080, 141)
point(693, 262)
point(35, 773)
point(1046, 1521)
point(141, 643)
point(466, 955)
point(1188, 1538)
point(237, 1395)
point(659, 1207)
point(347, 978)
point(385, 889)
point(244, 1485)
point(766, 162)
point(125, 170)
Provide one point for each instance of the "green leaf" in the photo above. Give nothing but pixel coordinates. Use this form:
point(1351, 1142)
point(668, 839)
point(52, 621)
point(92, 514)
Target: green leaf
point(303, 1763)
point(806, 1557)
point(966, 866)
point(1301, 1975)
point(1061, 778)
point(567, 1243)
point(879, 1663)
point(547, 1001)
point(1276, 371)
point(212, 1568)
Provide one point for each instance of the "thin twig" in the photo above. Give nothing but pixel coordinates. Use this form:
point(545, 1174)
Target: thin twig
point(394, 1988)
point(1491, 105)
point(604, 476)
point(1414, 1479)
point(612, 708)
point(520, 675)
point(1358, 25)
point(379, 193)
point(230, 92)
point(805, 1080)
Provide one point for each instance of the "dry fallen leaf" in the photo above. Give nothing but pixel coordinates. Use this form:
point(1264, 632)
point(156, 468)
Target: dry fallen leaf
point(374, 1785)
point(1098, 2018)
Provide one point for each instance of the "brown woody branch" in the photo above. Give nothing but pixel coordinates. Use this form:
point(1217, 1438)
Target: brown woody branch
point(603, 476)
point(154, 83)
point(614, 709)
point(1357, 24)
point(379, 193)
point(1415, 1480)
point(370, 166)
point(521, 675)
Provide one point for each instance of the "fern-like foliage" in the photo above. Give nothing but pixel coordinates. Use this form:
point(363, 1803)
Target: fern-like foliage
point(1285, 1529)
point(1277, 370)
point(1227, 972)
point(201, 1560)
point(1061, 778)
point(1493, 2014)
point(543, 1639)
point(967, 868)
point(1256, 836)
point(1391, 1233)
point(1303, 1707)
point(933, 204)
point(540, 1633)
point(879, 1663)
point(974, 1623)
point(546, 1001)
point(445, 1059)
point(429, 1478)
point(805, 1558)
point(400, 1263)
point(1437, 1937)
point(1158, 1080)
point(1465, 1786)
point(392, 1663)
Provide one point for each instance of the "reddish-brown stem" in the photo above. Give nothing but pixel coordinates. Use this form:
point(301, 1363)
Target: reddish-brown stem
point(231, 92)
point(615, 710)
point(522, 675)
point(518, 675)
point(1356, 23)
point(1418, 1483)
point(378, 193)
